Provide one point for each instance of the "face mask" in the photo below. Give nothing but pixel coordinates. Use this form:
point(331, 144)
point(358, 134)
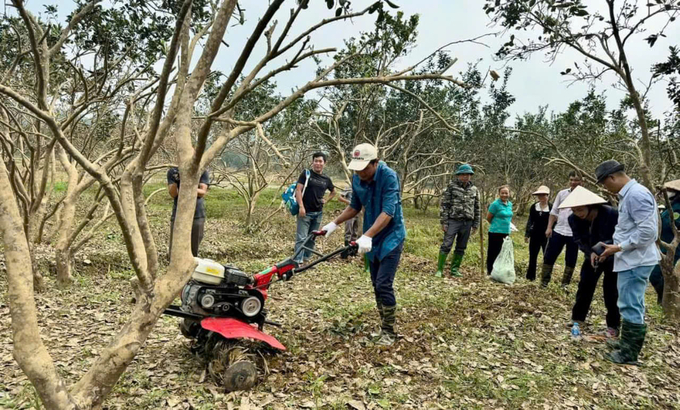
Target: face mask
point(671, 194)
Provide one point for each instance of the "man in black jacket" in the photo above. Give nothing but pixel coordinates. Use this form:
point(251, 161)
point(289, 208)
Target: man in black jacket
point(592, 223)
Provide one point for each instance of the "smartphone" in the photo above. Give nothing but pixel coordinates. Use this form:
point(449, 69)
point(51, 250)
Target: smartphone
point(598, 248)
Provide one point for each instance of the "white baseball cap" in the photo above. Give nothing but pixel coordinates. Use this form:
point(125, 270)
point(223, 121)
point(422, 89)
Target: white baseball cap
point(362, 154)
point(581, 196)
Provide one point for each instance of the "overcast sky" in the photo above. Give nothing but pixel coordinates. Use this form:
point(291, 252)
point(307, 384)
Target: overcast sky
point(533, 83)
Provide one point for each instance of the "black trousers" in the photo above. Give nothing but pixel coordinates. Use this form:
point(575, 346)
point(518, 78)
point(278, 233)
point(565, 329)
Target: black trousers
point(556, 243)
point(196, 235)
point(586, 290)
point(494, 248)
point(656, 280)
point(536, 244)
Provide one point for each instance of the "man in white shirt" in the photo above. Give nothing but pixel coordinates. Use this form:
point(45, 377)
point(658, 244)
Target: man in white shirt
point(559, 235)
point(635, 255)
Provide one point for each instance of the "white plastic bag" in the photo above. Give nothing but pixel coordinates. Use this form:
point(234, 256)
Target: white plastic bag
point(504, 266)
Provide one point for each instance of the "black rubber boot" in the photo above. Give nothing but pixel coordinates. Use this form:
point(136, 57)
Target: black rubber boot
point(379, 306)
point(388, 336)
point(566, 277)
point(546, 274)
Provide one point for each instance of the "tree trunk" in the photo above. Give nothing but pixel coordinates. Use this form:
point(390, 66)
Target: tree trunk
point(671, 277)
point(63, 252)
point(671, 297)
point(39, 208)
point(63, 263)
point(38, 281)
point(249, 213)
point(29, 350)
point(646, 149)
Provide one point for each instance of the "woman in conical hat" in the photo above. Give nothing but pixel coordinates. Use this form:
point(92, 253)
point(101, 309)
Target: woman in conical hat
point(539, 215)
point(592, 223)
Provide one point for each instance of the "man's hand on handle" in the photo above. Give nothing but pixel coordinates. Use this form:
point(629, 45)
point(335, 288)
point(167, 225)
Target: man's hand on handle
point(329, 229)
point(365, 244)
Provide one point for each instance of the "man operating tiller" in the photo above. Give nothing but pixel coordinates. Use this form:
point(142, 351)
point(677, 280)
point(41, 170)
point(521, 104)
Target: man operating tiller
point(375, 188)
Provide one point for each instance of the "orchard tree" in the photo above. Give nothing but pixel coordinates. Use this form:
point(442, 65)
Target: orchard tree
point(602, 37)
point(86, 99)
point(171, 97)
point(411, 123)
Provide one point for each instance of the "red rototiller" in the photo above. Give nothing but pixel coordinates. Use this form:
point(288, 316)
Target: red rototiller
point(223, 307)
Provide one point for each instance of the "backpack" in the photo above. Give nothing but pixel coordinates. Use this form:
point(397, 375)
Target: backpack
point(288, 196)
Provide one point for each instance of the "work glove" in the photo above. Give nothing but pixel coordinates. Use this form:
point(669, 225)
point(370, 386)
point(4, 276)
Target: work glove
point(329, 229)
point(513, 228)
point(365, 244)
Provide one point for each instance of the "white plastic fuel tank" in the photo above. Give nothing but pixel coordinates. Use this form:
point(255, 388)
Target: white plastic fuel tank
point(208, 271)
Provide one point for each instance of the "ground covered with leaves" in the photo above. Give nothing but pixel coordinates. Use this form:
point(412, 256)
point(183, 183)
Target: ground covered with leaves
point(464, 343)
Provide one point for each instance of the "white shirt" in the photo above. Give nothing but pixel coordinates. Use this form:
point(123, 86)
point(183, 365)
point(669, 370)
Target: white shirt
point(637, 229)
point(562, 226)
point(539, 208)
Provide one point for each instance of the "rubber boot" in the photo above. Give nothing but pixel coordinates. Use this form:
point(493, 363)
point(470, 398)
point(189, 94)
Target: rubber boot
point(345, 253)
point(388, 320)
point(440, 265)
point(566, 277)
point(455, 265)
point(614, 343)
point(379, 306)
point(367, 264)
point(546, 273)
point(630, 344)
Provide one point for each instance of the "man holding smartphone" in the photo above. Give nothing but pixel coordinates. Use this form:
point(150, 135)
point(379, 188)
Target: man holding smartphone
point(635, 255)
point(592, 224)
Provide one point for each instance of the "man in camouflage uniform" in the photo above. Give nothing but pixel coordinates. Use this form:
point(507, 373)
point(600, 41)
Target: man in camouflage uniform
point(459, 215)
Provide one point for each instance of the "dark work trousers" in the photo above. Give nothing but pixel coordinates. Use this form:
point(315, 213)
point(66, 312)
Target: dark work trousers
point(196, 235)
point(586, 290)
point(657, 281)
point(352, 229)
point(494, 248)
point(458, 230)
point(537, 244)
point(382, 276)
point(556, 243)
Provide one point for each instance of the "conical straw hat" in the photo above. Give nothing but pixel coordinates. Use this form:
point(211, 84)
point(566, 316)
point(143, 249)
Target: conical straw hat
point(581, 197)
point(674, 185)
point(542, 190)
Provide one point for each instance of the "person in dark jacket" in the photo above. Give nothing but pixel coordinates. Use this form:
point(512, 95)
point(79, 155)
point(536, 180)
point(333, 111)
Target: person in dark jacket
point(539, 214)
point(656, 277)
point(591, 223)
point(459, 217)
